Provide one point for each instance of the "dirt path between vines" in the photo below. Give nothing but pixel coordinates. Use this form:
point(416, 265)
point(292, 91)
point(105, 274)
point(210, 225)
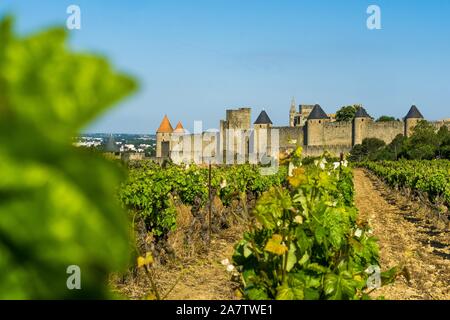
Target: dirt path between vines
point(205, 278)
point(200, 277)
point(406, 235)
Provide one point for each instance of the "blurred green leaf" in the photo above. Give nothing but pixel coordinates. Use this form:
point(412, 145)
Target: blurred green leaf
point(58, 205)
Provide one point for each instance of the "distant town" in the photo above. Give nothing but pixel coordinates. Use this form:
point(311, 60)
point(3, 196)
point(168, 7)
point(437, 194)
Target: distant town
point(144, 144)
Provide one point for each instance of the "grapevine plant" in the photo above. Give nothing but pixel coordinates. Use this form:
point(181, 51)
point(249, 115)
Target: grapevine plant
point(150, 189)
point(307, 244)
point(427, 176)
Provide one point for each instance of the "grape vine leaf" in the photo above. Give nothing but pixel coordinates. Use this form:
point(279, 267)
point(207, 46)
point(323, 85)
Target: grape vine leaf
point(275, 245)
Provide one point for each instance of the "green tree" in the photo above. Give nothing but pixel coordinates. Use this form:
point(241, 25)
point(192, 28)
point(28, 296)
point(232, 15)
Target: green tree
point(443, 137)
point(385, 119)
point(367, 150)
point(357, 153)
point(396, 147)
point(373, 144)
point(346, 113)
point(58, 204)
point(423, 143)
point(150, 152)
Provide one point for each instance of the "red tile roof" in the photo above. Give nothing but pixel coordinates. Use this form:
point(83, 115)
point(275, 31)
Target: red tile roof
point(179, 128)
point(165, 126)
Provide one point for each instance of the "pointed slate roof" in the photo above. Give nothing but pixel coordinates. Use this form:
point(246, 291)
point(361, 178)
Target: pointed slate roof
point(263, 118)
point(361, 113)
point(179, 128)
point(414, 113)
point(165, 126)
point(110, 145)
point(317, 113)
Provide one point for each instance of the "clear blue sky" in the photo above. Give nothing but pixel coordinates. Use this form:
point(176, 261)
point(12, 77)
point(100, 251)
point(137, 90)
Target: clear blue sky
point(195, 58)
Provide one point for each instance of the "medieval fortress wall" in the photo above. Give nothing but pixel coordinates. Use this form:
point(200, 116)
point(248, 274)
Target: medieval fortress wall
point(237, 141)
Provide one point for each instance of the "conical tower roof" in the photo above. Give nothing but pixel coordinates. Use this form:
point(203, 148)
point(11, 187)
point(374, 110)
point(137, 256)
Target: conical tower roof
point(179, 128)
point(165, 126)
point(317, 113)
point(263, 118)
point(110, 145)
point(414, 113)
point(361, 113)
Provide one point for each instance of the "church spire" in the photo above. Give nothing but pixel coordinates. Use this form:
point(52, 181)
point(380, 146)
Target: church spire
point(292, 113)
point(293, 105)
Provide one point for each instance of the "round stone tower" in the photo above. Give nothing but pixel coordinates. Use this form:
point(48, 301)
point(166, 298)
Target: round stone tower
point(315, 126)
point(360, 124)
point(163, 138)
point(262, 135)
point(412, 118)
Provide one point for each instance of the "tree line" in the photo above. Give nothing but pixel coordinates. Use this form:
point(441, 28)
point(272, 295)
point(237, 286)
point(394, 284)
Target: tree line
point(347, 113)
point(424, 144)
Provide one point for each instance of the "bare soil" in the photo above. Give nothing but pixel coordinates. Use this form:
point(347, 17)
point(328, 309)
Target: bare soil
point(205, 278)
point(409, 234)
point(196, 273)
point(198, 278)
